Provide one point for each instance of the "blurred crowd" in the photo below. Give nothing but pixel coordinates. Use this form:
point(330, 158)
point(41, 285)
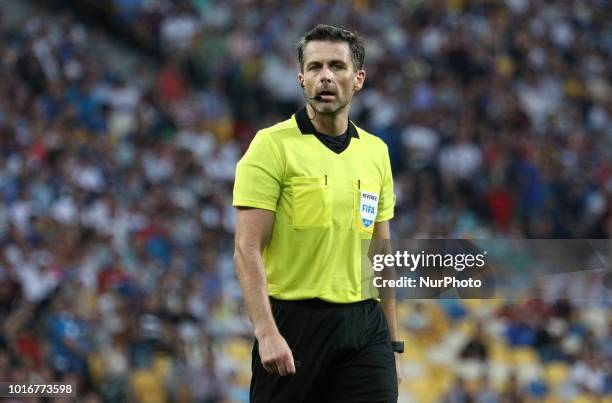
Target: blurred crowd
point(115, 216)
point(522, 351)
point(498, 113)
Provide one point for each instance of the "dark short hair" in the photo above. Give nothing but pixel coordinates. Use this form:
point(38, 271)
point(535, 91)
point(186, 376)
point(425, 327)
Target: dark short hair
point(324, 32)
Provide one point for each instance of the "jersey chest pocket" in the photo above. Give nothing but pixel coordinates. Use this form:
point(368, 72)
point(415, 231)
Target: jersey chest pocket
point(365, 205)
point(312, 202)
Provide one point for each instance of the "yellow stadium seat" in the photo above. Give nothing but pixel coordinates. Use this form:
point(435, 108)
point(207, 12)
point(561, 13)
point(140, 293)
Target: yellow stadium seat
point(500, 352)
point(414, 348)
point(96, 368)
point(473, 305)
point(466, 327)
point(440, 379)
point(243, 378)
point(556, 373)
point(239, 349)
point(524, 356)
point(422, 390)
point(439, 320)
point(161, 365)
point(146, 387)
point(585, 399)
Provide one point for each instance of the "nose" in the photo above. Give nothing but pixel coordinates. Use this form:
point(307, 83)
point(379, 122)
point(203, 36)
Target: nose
point(326, 76)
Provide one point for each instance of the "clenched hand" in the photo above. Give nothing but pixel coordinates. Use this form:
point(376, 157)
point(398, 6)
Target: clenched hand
point(276, 356)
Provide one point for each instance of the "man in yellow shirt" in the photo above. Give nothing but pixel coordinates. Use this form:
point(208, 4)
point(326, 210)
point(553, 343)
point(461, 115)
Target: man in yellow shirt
point(309, 192)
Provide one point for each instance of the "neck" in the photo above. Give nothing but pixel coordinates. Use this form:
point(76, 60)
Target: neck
point(332, 124)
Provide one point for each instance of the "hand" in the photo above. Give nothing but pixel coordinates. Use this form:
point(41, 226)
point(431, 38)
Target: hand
point(398, 368)
point(276, 356)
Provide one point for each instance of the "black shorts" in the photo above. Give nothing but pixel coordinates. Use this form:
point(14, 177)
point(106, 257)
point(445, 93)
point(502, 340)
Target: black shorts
point(342, 354)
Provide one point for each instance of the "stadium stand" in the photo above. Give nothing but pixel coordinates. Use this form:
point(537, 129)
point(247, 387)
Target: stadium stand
point(116, 223)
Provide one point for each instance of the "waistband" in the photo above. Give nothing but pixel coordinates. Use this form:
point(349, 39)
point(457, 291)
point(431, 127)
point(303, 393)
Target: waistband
point(319, 303)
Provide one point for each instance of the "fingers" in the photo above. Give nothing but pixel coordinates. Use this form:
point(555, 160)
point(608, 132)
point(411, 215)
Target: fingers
point(282, 366)
point(287, 366)
point(290, 366)
point(398, 368)
point(276, 356)
point(270, 367)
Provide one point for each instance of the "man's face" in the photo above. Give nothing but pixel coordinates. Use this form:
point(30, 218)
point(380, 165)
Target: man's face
point(328, 72)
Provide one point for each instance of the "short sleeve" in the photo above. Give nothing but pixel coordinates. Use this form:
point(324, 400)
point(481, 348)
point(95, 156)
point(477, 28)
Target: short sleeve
point(387, 197)
point(259, 175)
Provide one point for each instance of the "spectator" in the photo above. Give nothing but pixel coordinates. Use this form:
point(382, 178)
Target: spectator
point(476, 348)
point(115, 179)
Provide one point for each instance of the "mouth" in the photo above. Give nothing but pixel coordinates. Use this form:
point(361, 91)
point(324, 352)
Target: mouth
point(326, 95)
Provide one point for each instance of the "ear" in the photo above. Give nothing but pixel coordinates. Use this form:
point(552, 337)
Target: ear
point(359, 80)
point(301, 79)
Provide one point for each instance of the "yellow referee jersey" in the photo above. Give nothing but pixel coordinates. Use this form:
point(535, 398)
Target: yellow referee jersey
point(325, 202)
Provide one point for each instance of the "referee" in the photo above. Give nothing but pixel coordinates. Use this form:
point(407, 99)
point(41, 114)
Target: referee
point(308, 191)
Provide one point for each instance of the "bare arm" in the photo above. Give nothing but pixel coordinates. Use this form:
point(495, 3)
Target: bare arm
point(381, 239)
point(253, 232)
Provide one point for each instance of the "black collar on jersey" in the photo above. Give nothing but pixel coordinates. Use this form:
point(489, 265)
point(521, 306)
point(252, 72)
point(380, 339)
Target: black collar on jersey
point(306, 127)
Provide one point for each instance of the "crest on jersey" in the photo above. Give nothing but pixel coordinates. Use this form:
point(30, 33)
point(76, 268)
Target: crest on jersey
point(368, 207)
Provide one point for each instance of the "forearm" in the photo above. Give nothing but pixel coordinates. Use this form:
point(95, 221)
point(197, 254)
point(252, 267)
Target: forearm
point(388, 307)
point(252, 278)
point(387, 294)
point(387, 299)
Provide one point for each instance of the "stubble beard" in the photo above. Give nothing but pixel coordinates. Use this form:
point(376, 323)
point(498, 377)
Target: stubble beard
point(330, 109)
